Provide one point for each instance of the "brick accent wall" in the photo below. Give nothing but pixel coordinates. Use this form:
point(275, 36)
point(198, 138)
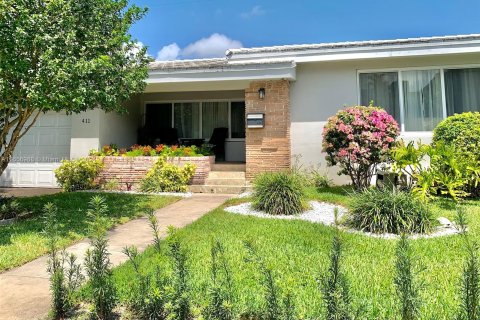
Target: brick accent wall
point(131, 170)
point(268, 149)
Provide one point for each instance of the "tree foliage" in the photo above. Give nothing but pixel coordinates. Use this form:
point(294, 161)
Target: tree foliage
point(65, 55)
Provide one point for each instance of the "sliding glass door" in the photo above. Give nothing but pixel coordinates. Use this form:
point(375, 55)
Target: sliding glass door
point(186, 119)
point(382, 89)
point(214, 115)
point(422, 99)
point(462, 90)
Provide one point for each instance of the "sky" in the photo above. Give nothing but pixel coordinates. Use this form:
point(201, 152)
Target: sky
point(190, 29)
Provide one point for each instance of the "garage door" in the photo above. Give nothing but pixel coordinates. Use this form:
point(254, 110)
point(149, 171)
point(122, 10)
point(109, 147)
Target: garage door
point(39, 152)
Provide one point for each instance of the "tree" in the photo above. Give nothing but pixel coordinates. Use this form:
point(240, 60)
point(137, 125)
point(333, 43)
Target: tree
point(65, 55)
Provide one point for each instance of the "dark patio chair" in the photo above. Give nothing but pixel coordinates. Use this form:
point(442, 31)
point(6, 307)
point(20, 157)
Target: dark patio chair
point(217, 141)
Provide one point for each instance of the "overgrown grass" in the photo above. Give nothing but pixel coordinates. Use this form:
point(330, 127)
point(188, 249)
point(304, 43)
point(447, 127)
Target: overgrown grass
point(298, 253)
point(24, 240)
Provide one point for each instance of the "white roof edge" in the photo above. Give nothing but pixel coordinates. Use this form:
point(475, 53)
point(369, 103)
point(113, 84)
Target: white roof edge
point(261, 72)
point(367, 45)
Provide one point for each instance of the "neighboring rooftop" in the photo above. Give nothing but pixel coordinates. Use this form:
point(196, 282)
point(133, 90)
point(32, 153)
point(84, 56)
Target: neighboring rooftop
point(354, 44)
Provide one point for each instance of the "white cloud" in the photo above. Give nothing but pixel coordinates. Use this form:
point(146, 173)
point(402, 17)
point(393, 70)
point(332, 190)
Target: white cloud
point(211, 47)
point(254, 12)
point(170, 52)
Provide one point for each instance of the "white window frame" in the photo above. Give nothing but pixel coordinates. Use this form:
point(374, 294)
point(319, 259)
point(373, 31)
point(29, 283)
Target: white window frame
point(399, 71)
point(200, 102)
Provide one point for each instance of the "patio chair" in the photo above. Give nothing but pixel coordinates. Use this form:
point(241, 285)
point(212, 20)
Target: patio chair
point(217, 141)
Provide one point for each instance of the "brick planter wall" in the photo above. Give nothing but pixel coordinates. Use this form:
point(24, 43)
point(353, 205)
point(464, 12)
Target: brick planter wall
point(268, 148)
point(131, 170)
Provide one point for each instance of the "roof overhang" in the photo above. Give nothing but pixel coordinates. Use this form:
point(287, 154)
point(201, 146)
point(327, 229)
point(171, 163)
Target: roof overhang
point(228, 71)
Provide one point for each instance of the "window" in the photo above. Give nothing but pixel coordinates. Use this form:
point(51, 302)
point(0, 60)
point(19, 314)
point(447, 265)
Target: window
point(382, 89)
point(422, 99)
point(214, 115)
point(462, 90)
point(186, 119)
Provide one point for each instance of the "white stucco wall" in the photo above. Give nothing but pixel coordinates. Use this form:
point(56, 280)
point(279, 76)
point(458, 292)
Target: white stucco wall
point(95, 128)
point(85, 133)
point(321, 89)
point(121, 129)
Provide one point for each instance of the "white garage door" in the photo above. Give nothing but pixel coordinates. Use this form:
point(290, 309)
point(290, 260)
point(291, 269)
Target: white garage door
point(39, 152)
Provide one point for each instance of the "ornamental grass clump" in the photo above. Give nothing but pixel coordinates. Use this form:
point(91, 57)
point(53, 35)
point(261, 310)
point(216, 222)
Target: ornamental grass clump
point(279, 193)
point(389, 211)
point(358, 139)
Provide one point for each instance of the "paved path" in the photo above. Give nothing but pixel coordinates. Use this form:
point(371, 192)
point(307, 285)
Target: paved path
point(27, 192)
point(24, 291)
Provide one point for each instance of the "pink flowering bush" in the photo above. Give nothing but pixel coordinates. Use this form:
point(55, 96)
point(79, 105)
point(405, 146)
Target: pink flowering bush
point(357, 139)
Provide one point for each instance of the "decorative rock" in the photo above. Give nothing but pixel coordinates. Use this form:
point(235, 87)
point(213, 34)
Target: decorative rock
point(445, 222)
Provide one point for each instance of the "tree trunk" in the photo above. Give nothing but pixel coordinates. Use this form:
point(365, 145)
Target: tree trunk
point(17, 134)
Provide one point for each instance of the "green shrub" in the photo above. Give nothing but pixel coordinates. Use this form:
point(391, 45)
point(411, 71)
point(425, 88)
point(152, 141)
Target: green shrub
point(78, 174)
point(103, 295)
point(470, 284)
point(220, 293)
point(406, 284)
point(279, 193)
point(335, 286)
point(274, 309)
point(65, 273)
point(320, 180)
point(111, 185)
point(10, 208)
point(381, 211)
point(437, 170)
point(166, 177)
point(462, 132)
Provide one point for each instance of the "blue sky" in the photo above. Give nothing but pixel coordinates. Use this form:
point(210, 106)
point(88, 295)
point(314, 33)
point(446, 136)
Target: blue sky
point(183, 29)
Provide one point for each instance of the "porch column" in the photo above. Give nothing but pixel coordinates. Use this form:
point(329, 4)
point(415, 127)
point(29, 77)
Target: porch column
point(268, 148)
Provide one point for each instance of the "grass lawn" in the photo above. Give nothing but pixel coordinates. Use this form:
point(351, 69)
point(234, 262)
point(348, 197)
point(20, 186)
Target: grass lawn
point(24, 241)
point(298, 251)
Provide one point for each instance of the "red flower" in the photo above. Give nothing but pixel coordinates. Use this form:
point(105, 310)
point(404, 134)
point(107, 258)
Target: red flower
point(159, 148)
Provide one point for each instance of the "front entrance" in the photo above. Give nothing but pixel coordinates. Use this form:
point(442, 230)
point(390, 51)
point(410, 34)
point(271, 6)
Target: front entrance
point(219, 123)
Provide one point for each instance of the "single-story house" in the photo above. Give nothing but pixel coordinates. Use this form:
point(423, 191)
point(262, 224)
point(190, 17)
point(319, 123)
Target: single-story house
point(286, 92)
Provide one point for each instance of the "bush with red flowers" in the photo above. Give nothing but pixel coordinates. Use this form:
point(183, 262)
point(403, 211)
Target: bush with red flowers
point(357, 139)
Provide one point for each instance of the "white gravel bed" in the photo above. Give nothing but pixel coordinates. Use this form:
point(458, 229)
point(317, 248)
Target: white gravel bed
point(322, 212)
point(245, 194)
point(175, 194)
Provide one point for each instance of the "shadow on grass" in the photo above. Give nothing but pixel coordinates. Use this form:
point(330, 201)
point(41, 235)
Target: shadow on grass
point(72, 208)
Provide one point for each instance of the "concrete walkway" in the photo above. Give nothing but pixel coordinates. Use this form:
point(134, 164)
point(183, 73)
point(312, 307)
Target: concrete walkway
point(27, 192)
point(24, 291)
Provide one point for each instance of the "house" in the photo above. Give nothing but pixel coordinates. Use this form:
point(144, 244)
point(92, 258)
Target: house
point(295, 89)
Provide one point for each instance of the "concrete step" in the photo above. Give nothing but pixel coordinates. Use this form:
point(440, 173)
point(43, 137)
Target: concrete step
point(229, 167)
point(226, 175)
point(225, 181)
point(217, 189)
